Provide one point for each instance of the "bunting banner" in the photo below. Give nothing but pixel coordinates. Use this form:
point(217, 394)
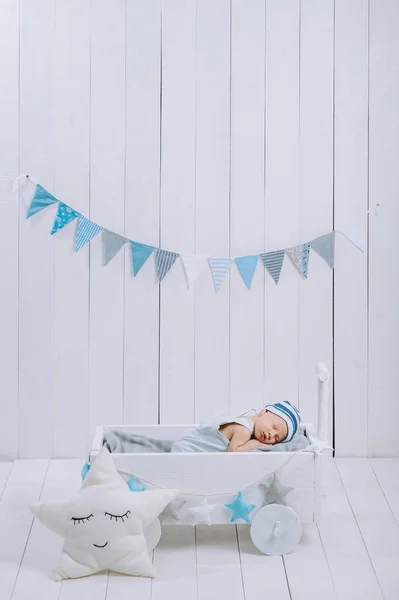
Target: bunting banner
point(193, 266)
point(112, 243)
point(219, 268)
point(247, 265)
point(165, 261)
point(140, 253)
point(86, 230)
point(273, 262)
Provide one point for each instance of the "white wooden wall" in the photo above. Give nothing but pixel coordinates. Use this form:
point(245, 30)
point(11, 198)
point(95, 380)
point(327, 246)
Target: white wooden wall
point(224, 128)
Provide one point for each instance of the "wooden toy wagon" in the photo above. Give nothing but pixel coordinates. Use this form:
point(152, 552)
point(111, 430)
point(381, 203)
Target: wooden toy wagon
point(275, 492)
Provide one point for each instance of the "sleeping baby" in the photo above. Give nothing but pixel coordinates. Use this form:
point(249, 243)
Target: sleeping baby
point(275, 423)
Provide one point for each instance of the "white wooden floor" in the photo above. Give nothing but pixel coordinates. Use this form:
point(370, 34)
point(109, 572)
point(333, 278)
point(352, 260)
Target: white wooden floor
point(353, 553)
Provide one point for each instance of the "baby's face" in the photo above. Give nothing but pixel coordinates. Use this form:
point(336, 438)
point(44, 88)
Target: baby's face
point(270, 428)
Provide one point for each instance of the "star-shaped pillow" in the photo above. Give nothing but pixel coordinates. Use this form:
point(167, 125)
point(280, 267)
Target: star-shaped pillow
point(103, 523)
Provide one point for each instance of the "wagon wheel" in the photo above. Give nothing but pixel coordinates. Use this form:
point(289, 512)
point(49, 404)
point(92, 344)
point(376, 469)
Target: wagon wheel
point(152, 535)
point(276, 529)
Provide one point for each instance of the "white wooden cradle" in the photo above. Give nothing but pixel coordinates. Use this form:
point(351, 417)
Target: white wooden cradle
point(206, 474)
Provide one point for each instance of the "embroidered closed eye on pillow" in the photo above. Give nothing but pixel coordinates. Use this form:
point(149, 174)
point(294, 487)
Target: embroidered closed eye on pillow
point(103, 524)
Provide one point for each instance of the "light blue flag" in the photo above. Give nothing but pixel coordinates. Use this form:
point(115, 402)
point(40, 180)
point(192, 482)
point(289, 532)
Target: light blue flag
point(140, 253)
point(325, 247)
point(300, 257)
point(273, 262)
point(112, 243)
point(247, 265)
point(40, 200)
point(86, 230)
point(65, 214)
point(219, 268)
point(165, 261)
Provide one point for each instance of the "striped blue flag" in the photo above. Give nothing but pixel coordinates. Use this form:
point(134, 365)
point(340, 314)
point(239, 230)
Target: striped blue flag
point(273, 262)
point(219, 268)
point(86, 230)
point(40, 200)
point(247, 265)
point(165, 261)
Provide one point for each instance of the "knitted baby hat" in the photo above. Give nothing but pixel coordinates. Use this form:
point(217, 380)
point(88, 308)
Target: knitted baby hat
point(289, 413)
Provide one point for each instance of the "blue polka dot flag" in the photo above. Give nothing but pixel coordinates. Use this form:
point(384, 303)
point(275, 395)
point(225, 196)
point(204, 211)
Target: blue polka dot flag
point(299, 256)
point(65, 214)
point(140, 253)
point(165, 261)
point(219, 268)
point(247, 265)
point(273, 262)
point(40, 200)
point(86, 230)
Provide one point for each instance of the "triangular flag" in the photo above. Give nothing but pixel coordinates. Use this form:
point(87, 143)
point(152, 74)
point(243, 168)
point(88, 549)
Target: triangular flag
point(40, 200)
point(325, 246)
point(219, 268)
point(65, 214)
point(112, 244)
point(165, 261)
point(247, 265)
point(355, 233)
point(140, 253)
point(86, 230)
point(193, 265)
point(300, 257)
point(273, 262)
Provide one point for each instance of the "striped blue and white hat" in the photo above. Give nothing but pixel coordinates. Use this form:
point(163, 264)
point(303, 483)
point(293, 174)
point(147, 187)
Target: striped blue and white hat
point(289, 413)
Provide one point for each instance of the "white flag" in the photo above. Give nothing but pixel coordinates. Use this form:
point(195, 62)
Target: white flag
point(193, 265)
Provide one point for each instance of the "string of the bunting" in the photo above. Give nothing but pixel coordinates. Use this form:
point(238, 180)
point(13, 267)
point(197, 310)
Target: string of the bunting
point(86, 230)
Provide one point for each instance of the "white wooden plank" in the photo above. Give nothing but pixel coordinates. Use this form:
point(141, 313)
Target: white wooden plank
point(36, 246)
point(177, 208)
point(282, 196)
point(9, 211)
point(5, 469)
point(218, 563)
point(141, 328)
point(350, 206)
point(376, 522)
point(123, 587)
point(35, 578)
point(212, 205)
point(384, 219)
point(71, 286)
point(260, 572)
point(307, 568)
point(247, 203)
point(175, 564)
point(24, 486)
point(107, 193)
point(387, 472)
point(316, 197)
point(348, 560)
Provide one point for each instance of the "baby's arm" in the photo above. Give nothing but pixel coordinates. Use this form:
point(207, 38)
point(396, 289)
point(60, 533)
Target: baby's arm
point(250, 445)
point(241, 437)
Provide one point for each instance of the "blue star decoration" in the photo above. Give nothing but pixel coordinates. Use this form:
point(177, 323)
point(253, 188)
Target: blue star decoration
point(241, 509)
point(135, 485)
